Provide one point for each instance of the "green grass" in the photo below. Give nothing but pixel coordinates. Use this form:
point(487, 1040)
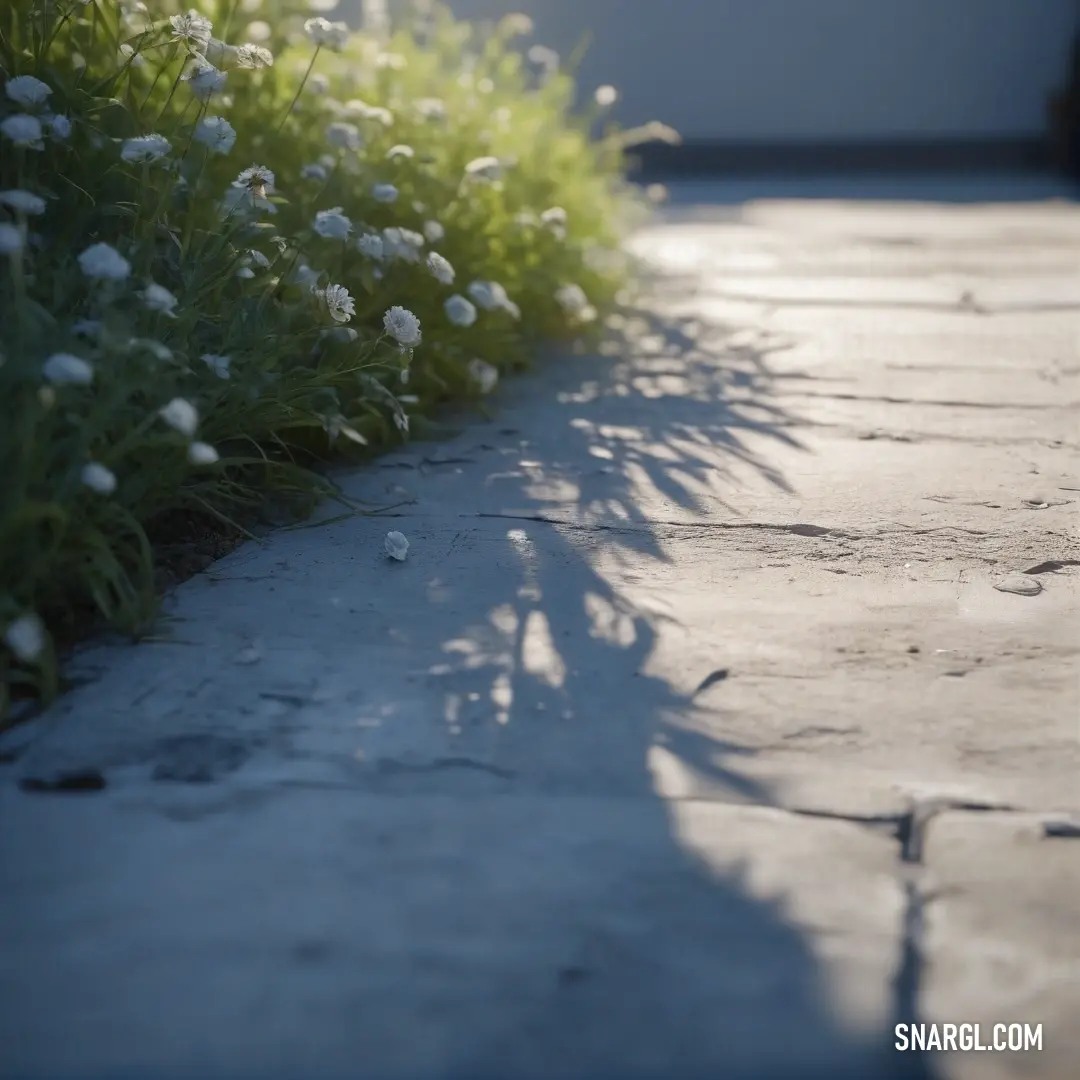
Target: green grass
point(202, 361)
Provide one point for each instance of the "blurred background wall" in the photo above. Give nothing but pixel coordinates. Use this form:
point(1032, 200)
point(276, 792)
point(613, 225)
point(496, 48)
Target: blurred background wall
point(815, 70)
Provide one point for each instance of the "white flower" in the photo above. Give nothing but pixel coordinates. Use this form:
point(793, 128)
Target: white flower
point(403, 326)
point(322, 32)
point(344, 135)
point(339, 304)
point(105, 262)
point(440, 268)
point(144, 149)
point(484, 168)
point(485, 375)
point(401, 244)
point(128, 53)
point(98, 478)
point(23, 202)
point(259, 31)
point(64, 369)
point(304, 276)
point(181, 415)
point(400, 150)
point(193, 29)
point(11, 239)
point(25, 637)
point(158, 298)
point(216, 134)
point(332, 224)
point(371, 245)
point(396, 546)
point(571, 298)
point(201, 453)
point(205, 80)
point(254, 57)
point(543, 57)
point(59, 127)
point(460, 311)
point(384, 193)
point(27, 91)
point(606, 96)
point(23, 130)
point(314, 172)
point(219, 365)
point(245, 272)
point(401, 422)
point(515, 25)
point(490, 295)
point(553, 216)
point(87, 328)
point(434, 231)
point(258, 259)
point(257, 179)
point(318, 84)
point(430, 108)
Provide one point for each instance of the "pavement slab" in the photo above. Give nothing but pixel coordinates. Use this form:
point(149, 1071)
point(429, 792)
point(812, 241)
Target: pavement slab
point(618, 772)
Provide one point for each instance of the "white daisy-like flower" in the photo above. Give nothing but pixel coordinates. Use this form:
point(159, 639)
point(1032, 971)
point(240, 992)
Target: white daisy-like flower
point(253, 57)
point(219, 365)
point(104, 262)
point(181, 415)
point(59, 127)
point(158, 298)
point(23, 130)
point(339, 304)
point(403, 326)
point(571, 298)
point(400, 150)
point(326, 34)
point(396, 545)
point(332, 224)
point(259, 31)
point(66, 369)
point(192, 29)
point(490, 295)
point(23, 202)
point(344, 136)
point(439, 268)
point(459, 311)
point(144, 149)
point(606, 96)
point(257, 180)
point(484, 168)
point(201, 454)
point(98, 478)
point(204, 80)
point(25, 637)
point(11, 239)
point(371, 245)
point(315, 171)
point(483, 374)
point(384, 193)
point(434, 231)
point(27, 91)
point(216, 134)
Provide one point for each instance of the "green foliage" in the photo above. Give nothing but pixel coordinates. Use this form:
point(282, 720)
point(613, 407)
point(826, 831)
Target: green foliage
point(214, 257)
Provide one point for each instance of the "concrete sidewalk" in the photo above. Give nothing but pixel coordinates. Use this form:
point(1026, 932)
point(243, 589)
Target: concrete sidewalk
point(725, 713)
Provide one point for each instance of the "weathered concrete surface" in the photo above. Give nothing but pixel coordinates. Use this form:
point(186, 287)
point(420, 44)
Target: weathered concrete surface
point(551, 797)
